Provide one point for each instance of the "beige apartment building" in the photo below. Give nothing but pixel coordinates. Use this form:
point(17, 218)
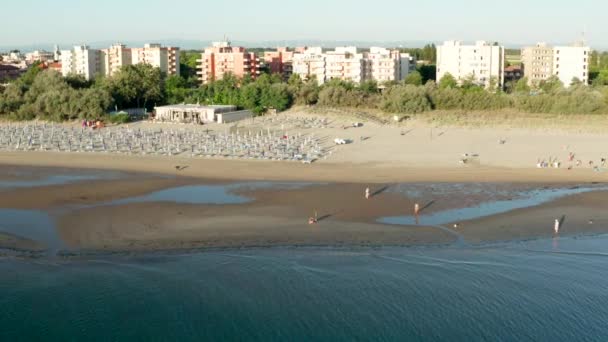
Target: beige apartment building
point(538, 62)
point(115, 57)
point(348, 64)
point(389, 65)
point(222, 58)
point(165, 58)
point(481, 61)
point(565, 62)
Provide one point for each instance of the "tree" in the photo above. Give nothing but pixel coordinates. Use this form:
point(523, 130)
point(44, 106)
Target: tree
point(469, 83)
point(30, 75)
point(447, 81)
point(78, 81)
point(576, 81)
point(138, 85)
point(308, 94)
point(370, 87)
point(551, 85)
point(414, 78)
point(176, 89)
point(276, 96)
point(428, 72)
point(407, 99)
point(601, 79)
point(188, 64)
point(251, 95)
point(522, 86)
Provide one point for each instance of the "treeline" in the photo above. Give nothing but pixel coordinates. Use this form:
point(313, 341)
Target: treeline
point(45, 94)
point(413, 95)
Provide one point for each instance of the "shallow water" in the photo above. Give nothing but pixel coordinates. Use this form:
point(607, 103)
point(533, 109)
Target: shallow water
point(544, 290)
point(48, 180)
point(31, 224)
point(526, 199)
point(208, 194)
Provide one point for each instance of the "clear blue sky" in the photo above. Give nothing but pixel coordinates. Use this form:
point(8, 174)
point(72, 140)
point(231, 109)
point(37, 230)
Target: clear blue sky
point(74, 21)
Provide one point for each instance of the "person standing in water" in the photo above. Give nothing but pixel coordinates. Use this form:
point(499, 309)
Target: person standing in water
point(416, 209)
point(556, 226)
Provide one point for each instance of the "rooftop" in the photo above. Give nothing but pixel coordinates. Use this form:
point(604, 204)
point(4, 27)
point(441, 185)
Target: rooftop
point(194, 106)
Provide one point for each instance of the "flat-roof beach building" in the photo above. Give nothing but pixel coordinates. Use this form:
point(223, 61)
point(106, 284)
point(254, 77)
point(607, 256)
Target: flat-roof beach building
point(197, 114)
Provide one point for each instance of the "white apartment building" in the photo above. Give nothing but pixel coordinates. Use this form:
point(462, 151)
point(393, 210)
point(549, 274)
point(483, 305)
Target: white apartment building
point(571, 62)
point(566, 62)
point(389, 65)
point(348, 64)
point(165, 58)
point(310, 63)
point(482, 61)
point(345, 63)
point(39, 56)
point(114, 58)
point(81, 61)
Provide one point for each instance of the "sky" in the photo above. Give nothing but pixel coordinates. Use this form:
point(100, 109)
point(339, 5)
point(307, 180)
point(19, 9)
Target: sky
point(511, 22)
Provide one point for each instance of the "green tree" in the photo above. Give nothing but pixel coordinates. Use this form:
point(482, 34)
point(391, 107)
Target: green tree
point(176, 89)
point(139, 85)
point(428, 72)
point(406, 99)
point(551, 85)
point(370, 87)
point(601, 79)
point(447, 81)
point(414, 78)
point(522, 86)
point(276, 96)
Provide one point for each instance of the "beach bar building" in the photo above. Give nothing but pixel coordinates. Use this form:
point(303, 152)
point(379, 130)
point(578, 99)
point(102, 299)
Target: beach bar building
point(197, 114)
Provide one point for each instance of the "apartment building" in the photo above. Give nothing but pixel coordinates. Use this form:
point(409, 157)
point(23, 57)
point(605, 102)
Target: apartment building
point(39, 56)
point(389, 65)
point(115, 57)
point(165, 58)
point(280, 62)
point(481, 61)
point(565, 62)
point(222, 58)
point(538, 62)
point(348, 64)
point(572, 63)
point(309, 64)
point(81, 60)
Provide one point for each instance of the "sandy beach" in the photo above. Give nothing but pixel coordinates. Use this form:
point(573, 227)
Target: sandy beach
point(379, 157)
point(413, 151)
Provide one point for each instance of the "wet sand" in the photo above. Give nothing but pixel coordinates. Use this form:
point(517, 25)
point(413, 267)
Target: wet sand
point(87, 220)
point(580, 214)
point(15, 243)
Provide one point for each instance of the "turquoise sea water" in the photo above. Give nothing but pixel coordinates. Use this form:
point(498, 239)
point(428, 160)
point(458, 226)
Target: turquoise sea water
point(544, 290)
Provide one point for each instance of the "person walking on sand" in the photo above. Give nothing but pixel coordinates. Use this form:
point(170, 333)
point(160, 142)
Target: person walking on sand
point(556, 226)
point(416, 209)
point(367, 193)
